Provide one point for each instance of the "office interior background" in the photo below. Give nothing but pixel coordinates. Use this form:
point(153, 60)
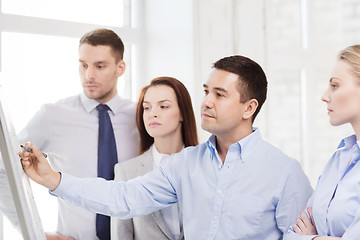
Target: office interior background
point(295, 41)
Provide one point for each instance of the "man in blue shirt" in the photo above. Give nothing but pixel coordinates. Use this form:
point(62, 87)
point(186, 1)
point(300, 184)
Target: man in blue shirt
point(234, 186)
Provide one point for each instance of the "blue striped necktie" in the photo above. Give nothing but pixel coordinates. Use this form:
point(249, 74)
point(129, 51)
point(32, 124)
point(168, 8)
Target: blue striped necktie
point(107, 158)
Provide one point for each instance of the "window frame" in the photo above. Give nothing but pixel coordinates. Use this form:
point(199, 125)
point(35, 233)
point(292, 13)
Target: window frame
point(131, 34)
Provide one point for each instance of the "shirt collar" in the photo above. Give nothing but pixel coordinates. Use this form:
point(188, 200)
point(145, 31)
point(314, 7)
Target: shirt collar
point(157, 156)
point(348, 142)
point(246, 145)
point(90, 104)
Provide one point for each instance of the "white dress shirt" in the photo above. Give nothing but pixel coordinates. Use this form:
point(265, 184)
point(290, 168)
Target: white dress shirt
point(68, 132)
point(171, 213)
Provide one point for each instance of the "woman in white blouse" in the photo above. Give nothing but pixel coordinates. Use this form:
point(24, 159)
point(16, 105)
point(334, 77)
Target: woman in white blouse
point(333, 210)
point(166, 123)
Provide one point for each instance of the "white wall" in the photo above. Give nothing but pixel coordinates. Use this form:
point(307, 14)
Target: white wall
point(168, 40)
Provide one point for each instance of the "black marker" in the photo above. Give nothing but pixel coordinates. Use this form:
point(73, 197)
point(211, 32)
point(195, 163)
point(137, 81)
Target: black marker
point(28, 149)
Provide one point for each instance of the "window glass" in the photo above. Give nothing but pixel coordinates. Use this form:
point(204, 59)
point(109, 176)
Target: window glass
point(105, 12)
point(39, 69)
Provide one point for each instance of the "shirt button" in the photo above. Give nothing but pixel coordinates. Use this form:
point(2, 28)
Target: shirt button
point(215, 217)
point(220, 191)
point(220, 166)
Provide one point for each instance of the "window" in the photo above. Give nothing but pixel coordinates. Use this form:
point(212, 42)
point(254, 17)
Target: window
point(106, 12)
point(39, 63)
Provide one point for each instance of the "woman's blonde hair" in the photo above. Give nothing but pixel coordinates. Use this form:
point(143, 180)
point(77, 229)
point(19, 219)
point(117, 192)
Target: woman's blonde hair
point(351, 55)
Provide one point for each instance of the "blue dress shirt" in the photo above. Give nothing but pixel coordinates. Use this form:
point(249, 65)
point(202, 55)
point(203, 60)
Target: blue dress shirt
point(337, 215)
point(255, 194)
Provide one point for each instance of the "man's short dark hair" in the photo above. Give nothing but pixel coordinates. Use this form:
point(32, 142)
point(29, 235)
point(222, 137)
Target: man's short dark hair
point(252, 79)
point(106, 37)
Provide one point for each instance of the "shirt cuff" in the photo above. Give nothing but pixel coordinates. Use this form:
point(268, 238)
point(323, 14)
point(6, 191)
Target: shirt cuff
point(64, 182)
point(295, 236)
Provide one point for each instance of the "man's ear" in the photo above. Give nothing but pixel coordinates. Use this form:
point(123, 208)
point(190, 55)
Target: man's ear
point(251, 107)
point(120, 68)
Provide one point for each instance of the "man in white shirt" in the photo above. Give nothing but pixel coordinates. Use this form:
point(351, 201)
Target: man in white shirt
point(68, 130)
